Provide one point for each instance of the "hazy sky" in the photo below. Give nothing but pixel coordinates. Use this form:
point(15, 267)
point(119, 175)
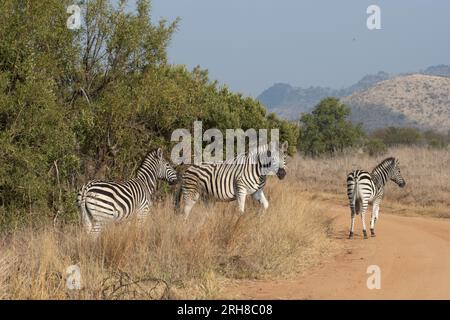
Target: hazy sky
point(251, 44)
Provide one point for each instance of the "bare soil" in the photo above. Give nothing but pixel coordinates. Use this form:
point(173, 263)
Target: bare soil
point(413, 254)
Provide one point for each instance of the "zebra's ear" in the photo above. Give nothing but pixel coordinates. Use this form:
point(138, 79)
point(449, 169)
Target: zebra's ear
point(159, 153)
point(284, 147)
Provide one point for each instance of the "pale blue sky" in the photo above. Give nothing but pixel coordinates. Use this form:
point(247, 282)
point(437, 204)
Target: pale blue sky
point(251, 44)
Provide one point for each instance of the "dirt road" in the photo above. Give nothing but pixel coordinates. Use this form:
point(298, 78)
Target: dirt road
point(413, 254)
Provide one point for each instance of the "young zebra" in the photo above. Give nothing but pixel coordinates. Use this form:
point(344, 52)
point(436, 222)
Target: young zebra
point(233, 179)
point(364, 188)
point(101, 202)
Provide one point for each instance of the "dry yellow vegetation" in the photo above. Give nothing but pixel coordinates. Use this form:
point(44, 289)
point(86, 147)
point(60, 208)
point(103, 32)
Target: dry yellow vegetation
point(427, 173)
point(168, 257)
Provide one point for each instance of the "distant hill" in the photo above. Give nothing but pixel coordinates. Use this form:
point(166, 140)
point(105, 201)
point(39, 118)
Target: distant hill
point(420, 99)
point(289, 102)
point(364, 83)
point(440, 71)
point(417, 100)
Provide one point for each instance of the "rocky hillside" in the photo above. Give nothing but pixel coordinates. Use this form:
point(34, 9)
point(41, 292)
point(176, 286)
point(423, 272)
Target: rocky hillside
point(288, 102)
point(419, 99)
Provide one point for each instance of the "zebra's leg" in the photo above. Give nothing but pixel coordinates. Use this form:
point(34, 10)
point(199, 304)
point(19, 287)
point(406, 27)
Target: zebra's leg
point(261, 198)
point(241, 193)
point(376, 213)
point(353, 211)
point(92, 225)
point(364, 206)
point(95, 230)
point(87, 225)
point(352, 224)
point(374, 218)
point(377, 203)
point(142, 216)
point(189, 202)
point(206, 201)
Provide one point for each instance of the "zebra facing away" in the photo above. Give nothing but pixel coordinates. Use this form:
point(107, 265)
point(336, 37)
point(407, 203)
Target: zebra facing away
point(234, 179)
point(101, 202)
point(364, 188)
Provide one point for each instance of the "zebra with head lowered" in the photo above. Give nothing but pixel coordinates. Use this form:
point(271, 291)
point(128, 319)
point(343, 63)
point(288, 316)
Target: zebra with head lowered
point(364, 188)
point(101, 202)
point(234, 179)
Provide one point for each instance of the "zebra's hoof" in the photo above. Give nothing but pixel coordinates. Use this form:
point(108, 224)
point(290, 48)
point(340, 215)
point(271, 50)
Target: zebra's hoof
point(372, 233)
point(365, 234)
point(350, 235)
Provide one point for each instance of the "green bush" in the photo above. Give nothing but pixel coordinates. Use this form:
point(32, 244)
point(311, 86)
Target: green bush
point(75, 105)
point(436, 140)
point(326, 129)
point(375, 147)
point(394, 136)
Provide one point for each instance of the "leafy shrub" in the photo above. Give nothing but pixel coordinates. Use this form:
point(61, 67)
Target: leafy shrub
point(436, 140)
point(89, 103)
point(326, 129)
point(393, 136)
point(375, 147)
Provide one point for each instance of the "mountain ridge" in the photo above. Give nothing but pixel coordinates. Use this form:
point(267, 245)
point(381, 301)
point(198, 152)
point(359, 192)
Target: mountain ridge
point(391, 97)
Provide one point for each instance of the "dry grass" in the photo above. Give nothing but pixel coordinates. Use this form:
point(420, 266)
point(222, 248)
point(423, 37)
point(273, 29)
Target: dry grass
point(426, 171)
point(168, 257)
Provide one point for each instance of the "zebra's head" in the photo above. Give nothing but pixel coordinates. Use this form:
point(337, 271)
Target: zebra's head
point(275, 162)
point(396, 175)
point(164, 170)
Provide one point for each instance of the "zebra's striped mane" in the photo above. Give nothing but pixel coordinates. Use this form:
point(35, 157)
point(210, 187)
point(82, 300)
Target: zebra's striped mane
point(150, 155)
point(259, 150)
point(147, 165)
point(385, 163)
point(262, 151)
point(253, 155)
point(381, 173)
point(148, 158)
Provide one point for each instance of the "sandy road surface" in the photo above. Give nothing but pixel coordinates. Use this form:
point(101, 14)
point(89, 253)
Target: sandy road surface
point(413, 254)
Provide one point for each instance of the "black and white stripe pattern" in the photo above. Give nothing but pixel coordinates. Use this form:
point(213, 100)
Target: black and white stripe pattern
point(234, 179)
point(364, 188)
point(101, 202)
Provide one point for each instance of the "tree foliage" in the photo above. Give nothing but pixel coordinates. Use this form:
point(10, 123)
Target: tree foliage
point(394, 136)
point(326, 129)
point(88, 103)
point(375, 147)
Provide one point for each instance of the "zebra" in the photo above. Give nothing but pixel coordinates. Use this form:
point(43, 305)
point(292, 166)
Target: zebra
point(364, 188)
point(101, 202)
point(233, 179)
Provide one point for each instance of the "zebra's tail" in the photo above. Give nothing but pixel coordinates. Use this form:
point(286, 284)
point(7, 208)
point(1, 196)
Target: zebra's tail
point(355, 197)
point(86, 220)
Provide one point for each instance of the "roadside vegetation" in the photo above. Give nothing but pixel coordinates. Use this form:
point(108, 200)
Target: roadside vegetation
point(169, 258)
point(426, 171)
point(90, 103)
